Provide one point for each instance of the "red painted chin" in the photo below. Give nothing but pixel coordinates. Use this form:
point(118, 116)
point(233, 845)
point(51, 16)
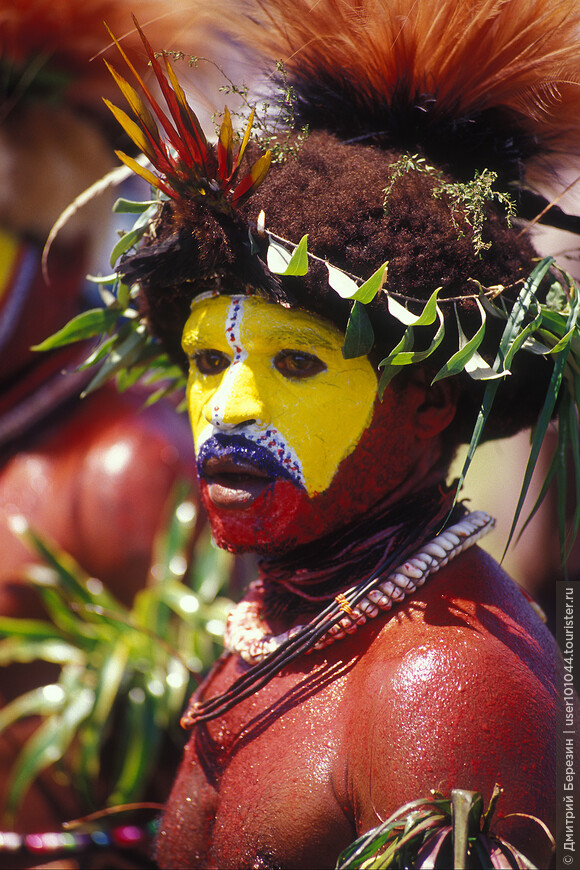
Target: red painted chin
point(272, 517)
point(264, 517)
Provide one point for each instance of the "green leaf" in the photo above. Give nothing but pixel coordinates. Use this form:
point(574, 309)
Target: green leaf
point(359, 336)
point(128, 240)
point(37, 702)
point(405, 357)
point(138, 743)
point(403, 354)
point(110, 677)
point(298, 264)
point(18, 649)
point(427, 316)
point(28, 628)
point(135, 234)
point(48, 744)
point(83, 326)
point(456, 363)
point(541, 428)
point(72, 578)
point(512, 338)
point(128, 206)
point(122, 355)
point(367, 291)
point(539, 434)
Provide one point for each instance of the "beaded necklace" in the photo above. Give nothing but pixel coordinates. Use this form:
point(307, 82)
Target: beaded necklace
point(383, 542)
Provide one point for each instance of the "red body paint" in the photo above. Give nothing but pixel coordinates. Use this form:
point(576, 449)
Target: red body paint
point(284, 516)
point(456, 688)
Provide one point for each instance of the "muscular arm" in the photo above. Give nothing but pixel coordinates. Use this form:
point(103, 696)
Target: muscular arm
point(459, 691)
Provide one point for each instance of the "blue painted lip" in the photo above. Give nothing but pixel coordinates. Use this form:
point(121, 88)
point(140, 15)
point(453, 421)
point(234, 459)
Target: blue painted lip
point(239, 451)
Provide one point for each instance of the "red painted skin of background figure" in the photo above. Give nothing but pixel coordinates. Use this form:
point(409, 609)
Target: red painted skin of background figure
point(455, 688)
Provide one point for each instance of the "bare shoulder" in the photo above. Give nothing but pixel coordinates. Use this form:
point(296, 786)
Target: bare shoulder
point(474, 609)
point(459, 689)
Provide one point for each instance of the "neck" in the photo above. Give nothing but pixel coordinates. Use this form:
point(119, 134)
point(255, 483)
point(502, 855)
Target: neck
point(314, 573)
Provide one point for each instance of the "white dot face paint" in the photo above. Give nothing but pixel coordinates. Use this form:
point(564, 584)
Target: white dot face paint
point(270, 395)
point(232, 403)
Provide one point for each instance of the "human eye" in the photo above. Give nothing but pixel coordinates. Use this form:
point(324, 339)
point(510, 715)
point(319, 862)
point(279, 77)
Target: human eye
point(298, 364)
point(210, 362)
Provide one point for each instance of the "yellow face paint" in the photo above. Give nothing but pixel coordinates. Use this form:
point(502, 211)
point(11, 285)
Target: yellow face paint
point(277, 377)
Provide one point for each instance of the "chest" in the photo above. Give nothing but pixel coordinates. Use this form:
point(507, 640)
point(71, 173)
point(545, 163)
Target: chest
point(265, 786)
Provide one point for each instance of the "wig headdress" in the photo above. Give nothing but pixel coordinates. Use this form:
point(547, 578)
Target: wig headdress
point(434, 128)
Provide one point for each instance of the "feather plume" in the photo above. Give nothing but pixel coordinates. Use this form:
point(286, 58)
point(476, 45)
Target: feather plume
point(472, 82)
point(189, 166)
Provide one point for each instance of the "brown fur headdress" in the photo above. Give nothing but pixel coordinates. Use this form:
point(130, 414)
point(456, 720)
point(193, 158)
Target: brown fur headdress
point(427, 120)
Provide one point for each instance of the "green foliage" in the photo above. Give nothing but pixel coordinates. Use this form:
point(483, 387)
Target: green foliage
point(359, 337)
point(550, 328)
point(126, 673)
point(125, 350)
point(467, 200)
point(438, 833)
point(274, 123)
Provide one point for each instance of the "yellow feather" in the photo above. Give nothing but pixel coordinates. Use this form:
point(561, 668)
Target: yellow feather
point(132, 130)
point(141, 170)
point(136, 103)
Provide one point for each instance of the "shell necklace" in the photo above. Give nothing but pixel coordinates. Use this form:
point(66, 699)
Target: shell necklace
point(247, 635)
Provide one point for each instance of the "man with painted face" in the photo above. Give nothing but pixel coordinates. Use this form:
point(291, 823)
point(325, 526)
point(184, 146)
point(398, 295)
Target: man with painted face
point(379, 656)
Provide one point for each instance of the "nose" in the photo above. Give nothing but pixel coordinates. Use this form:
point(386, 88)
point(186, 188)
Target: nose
point(238, 400)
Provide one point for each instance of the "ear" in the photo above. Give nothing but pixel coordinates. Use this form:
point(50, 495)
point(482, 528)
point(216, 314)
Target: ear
point(435, 404)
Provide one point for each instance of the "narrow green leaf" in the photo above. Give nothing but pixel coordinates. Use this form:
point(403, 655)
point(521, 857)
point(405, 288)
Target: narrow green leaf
point(37, 702)
point(542, 426)
point(512, 337)
point(427, 316)
point(47, 745)
point(123, 355)
point(456, 363)
point(18, 649)
point(359, 336)
point(71, 576)
point(403, 354)
point(92, 735)
point(135, 234)
point(99, 352)
point(128, 240)
point(409, 357)
point(389, 370)
point(539, 434)
point(83, 326)
point(28, 628)
point(138, 743)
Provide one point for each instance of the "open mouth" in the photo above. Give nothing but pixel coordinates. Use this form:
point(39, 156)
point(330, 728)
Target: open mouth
point(233, 484)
